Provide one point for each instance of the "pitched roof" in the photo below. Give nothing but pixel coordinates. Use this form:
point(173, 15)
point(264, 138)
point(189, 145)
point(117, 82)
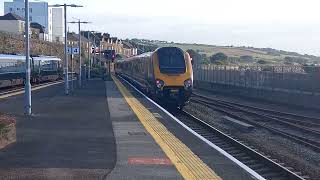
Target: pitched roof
point(75, 37)
point(11, 16)
point(127, 45)
point(37, 26)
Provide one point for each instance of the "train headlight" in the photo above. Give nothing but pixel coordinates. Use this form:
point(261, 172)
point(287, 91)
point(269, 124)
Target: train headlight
point(159, 83)
point(188, 83)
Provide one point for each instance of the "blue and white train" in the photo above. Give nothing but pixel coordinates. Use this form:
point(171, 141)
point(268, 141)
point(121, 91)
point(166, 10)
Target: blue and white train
point(43, 68)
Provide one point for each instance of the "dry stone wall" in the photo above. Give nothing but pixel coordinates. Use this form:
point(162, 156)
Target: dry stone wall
point(14, 43)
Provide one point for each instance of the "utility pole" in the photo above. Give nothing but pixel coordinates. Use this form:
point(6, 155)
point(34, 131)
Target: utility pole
point(80, 62)
point(100, 47)
point(72, 70)
point(89, 52)
point(80, 68)
point(95, 47)
point(27, 89)
point(66, 69)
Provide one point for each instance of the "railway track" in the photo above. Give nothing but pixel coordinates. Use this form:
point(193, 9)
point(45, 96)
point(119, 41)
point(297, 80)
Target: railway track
point(19, 88)
point(295, 118)
point(261, 164)
point(288, 127)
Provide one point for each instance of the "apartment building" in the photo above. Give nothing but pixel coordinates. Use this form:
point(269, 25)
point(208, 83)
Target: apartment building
point(39, 13)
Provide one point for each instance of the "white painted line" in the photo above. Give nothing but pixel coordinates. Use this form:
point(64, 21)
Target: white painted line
point(243, 166)
point(33, 89)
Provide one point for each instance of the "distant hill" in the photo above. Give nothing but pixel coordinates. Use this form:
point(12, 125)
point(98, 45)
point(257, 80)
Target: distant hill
point(247, 55)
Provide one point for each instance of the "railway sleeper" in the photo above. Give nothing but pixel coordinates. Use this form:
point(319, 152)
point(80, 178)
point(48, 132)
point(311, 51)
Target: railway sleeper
point(239, 154)
point(257, 166)
point(250, 161)
point(273, 176)
point(245, 158)
point(232, 150)
point(263, 170)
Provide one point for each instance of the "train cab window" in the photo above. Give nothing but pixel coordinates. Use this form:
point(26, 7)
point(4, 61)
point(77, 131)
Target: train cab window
point(171, 60)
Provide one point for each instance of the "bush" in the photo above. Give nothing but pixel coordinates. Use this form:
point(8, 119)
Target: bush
point(246, 58)
point(262, 62)
point(98, 72)
point(218, 57)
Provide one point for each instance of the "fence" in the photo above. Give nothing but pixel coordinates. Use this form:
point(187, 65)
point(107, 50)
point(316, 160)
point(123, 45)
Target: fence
point(297, 79)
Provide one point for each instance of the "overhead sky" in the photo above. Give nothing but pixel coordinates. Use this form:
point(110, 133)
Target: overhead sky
point(292, 25)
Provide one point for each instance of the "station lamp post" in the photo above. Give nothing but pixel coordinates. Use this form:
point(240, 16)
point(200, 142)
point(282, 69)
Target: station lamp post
point(94, 44)
point(66, 77)
point(79, 29)
point(27, 89)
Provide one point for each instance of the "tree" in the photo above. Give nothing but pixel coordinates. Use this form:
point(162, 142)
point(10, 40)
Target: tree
point(262, 62)
point(218, 57)
point(196, 57)
point(246, 58)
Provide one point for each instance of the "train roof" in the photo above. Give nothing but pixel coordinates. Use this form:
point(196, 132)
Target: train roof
point(46, 58)
point(11, 57)
point(135, 57)
point(147, 54)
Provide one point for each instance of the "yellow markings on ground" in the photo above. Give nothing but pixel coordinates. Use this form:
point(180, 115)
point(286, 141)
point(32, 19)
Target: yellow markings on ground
point(188, 164)
point(33, 89)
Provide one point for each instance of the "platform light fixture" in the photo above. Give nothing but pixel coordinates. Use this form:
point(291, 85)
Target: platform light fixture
point(79, 29)
point(66, 69)
point(89, 52)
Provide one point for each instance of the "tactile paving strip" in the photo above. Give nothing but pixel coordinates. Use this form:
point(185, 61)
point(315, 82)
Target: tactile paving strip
point(188, 164)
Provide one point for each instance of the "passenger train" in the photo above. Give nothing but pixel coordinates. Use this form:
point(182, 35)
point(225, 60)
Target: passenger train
point(166, 74)
point(43, 68)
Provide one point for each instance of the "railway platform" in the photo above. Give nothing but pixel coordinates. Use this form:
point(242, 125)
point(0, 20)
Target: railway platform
point(67, 137)
point(106, 130)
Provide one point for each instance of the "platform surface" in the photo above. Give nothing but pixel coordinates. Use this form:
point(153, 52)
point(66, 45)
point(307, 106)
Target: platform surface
point(219, 165)
point(105, 132)
point(68, 137)
point(138, 155)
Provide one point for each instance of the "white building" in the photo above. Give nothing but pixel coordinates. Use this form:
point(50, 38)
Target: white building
point(39, 12)
point(12, 23)
point(57, 25)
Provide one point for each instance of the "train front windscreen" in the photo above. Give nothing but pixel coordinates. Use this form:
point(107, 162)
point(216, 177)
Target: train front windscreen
point(171, 60)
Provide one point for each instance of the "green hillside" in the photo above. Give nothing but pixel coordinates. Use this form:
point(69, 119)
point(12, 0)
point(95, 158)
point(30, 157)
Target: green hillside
point(237, 55)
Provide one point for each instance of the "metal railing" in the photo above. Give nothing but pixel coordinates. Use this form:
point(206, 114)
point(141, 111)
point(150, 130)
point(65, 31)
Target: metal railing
point(300, 79)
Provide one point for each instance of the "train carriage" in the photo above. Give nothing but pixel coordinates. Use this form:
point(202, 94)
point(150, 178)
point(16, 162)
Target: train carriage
point(166, 74)
point(43, 68)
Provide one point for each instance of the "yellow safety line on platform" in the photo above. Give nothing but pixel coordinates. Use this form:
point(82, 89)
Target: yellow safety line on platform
point(188, 164)
point(33, 89)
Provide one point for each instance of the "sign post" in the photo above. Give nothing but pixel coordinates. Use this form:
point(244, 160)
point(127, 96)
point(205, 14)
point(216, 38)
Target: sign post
point(72, 50)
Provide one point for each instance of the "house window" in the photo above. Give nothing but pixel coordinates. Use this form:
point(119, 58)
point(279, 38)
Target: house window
point(30, 10)
point(10, 9)
point(18, 9)
point(30, 18)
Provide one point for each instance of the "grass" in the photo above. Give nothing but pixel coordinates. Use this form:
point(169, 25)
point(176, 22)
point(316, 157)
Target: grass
point(6, 120)
point(230, 51)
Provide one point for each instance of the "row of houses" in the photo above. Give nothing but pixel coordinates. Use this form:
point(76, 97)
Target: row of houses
point(102, 42)
point(15, 24)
